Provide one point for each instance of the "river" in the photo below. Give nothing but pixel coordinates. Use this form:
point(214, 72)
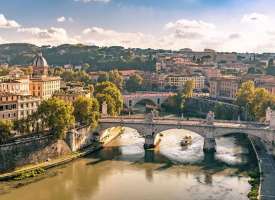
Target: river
point(124, 171)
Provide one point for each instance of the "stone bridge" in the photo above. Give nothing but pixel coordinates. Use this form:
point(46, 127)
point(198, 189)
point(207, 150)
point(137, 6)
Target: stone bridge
point(209, 130)
point(157, 98)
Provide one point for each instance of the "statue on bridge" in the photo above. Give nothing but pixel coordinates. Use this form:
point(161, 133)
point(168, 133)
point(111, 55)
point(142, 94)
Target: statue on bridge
point(210, 117)
point(104, 109)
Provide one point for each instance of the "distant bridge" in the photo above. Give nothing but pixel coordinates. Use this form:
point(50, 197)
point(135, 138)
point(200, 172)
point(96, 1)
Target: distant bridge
point(157, 98)
point(209, 130)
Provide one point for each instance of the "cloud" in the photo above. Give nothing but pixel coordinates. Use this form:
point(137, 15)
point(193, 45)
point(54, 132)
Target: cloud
point(252, 32)
point(51, 35)
point(255, 18)
point(190, 29)
point(108, 37)
point(61, 19)
point(64, 19)
point(93, 1)
point(5, 23)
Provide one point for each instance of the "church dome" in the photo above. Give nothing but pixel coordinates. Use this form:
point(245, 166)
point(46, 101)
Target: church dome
point(40, 61)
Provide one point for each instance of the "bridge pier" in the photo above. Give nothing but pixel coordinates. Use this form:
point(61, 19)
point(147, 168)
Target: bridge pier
point(149, 142)
point(209, 145)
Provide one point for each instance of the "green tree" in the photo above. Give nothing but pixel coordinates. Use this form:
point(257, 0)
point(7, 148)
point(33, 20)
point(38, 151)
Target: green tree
point(270, 62)
point(245, 94)
point(134, 83)
point(5, 130)
point(86, 111)
point(188, 89)
point(108, 92)
point(116, 78)
point(57, 115)
point(225, 113)
point(260, 103)
point(254, 100)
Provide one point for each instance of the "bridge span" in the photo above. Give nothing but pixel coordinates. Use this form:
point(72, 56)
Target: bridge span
point(209, 130)
point(157, 98)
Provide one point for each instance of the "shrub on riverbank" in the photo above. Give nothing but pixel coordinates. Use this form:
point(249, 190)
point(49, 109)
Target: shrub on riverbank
point(255, 183)
point(29, 174)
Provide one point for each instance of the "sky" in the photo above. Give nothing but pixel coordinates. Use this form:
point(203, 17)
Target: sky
point(223, 25)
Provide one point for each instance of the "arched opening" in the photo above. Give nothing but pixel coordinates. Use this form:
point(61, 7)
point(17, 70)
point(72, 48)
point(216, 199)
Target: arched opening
point(169, 144)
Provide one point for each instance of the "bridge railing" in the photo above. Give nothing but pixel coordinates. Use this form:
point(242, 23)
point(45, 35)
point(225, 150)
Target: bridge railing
point(191, 119)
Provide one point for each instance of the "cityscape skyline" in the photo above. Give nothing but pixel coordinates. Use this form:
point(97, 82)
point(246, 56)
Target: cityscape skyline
point(175, 25)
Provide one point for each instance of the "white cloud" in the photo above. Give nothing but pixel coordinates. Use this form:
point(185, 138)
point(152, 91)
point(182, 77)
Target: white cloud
point(61, 19)
point(253, 32)
point(255, 18)
point(93, 1)
point(51, 35)
point(5, 23)
point(64, 19)
point(107, 37)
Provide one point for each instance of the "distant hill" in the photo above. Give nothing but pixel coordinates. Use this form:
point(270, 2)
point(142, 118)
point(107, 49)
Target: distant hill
point(99, 58)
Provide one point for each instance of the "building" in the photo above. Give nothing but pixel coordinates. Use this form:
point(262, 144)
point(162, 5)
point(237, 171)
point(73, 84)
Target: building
point(8, 106)
point(27, 105)
point(42, 85)
point(40, 66)
point(173, 63)
point(72, 94)
point(13, 106)
point(126, 74)
point(262, 81)
point(226, 58)
point(180, 80)
point(225, 87)
point(18, 86)
point(16, 73)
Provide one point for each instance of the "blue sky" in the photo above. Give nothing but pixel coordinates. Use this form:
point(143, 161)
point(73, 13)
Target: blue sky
point(226, 25)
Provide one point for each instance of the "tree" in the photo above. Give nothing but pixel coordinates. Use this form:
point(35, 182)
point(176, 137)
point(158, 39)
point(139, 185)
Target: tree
point(134, 83)
point(246, 94)
point(86, 111)
point(270, 62)
point(108, 92)
point(223, 112)
point(5, 130)
point(116, 78)
point(254, 100)
point(188, 88)
point(259, 103)
point(270, 70)
point(57, 115)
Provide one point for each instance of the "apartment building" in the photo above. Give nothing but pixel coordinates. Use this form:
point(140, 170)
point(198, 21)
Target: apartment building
point(180, 80)
point(8, 106)
point(27, 105)
point(225, 87)
point(44, 86)
point(18, 86)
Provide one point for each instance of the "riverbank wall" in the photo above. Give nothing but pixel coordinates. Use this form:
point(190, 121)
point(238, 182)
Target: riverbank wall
point(37, 149)
point(31, 151)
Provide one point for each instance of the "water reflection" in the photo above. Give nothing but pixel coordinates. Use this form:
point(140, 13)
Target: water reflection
point(123, 170)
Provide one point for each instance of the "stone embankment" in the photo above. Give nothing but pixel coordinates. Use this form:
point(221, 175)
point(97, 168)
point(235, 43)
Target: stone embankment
point(267, 170)
point(43, 152)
